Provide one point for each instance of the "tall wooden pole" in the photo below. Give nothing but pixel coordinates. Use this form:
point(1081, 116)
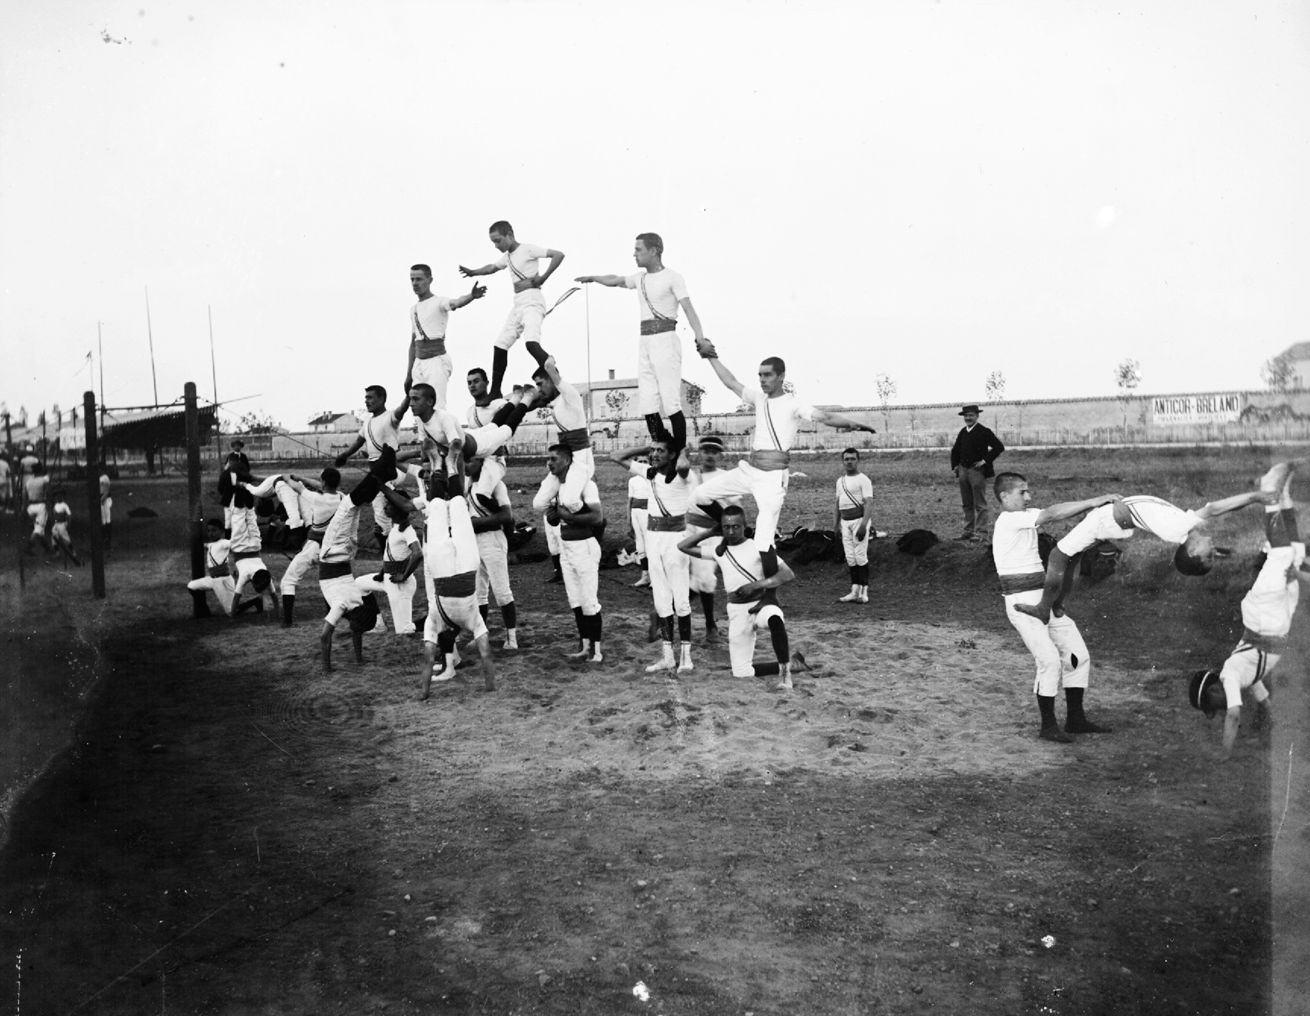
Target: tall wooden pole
point(154, 381)
point(93, 497)
point(213, 371)
point(195, 510)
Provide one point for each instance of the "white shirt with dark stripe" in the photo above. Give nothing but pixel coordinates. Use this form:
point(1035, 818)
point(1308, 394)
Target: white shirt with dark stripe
point(776, 420)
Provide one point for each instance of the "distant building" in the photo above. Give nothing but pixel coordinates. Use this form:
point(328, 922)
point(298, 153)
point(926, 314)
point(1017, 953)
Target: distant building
point(1297, 357)
point(329, 422)
point(616, 398)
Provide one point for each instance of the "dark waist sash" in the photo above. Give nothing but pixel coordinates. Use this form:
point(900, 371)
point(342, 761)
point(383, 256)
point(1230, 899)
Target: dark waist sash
point(455, 586)
point(568, 531)
point(769, 458)
point(850, 514)
point(666, 523)
point(1021, 583)
point(653, 326)
point(577, 440)
point(637, 502)
point(317, 534)
point(433, 348)
point(699, 520)
point(244, 555)
point(333, 569)
point(218, 571)
point(394, 568)
point(1265, 643)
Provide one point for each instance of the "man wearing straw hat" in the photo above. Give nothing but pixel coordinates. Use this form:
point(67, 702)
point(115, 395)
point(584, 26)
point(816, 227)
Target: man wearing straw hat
point(972, 455)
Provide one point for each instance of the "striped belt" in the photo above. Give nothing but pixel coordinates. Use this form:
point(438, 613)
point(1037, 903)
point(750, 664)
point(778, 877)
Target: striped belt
point(576, 439)
point(850, 514)
point(769, 458)
point(666, 523)
point(653, 326)
point(635, 503)
point(1021, 583)
point(333, 569)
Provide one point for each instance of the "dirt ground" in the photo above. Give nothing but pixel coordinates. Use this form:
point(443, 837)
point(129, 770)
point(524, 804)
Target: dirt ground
point(231, 832)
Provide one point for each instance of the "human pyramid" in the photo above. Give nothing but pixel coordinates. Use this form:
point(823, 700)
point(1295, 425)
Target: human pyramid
point(689, 519)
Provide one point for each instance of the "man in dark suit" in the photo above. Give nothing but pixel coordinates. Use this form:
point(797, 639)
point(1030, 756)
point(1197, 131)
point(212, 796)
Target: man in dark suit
point(972, 455)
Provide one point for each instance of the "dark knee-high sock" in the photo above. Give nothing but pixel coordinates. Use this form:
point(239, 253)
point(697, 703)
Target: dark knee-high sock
point(666, 628)
point(510, 415)
point(778, 635)
point(554, 559)
point(855, 574)
point(684, 628)
point(581, 621)
point(1073, 699)
point(485, 610)
point(655, 426)
point(707, 605)
point(594, 626)
point(862, 574)
point(446, 640)
point(1046, 706)
point(288, 608)
point(678, 424)
point(536, 351)
point(509, 613)
point(765, 669)
point(499, 362)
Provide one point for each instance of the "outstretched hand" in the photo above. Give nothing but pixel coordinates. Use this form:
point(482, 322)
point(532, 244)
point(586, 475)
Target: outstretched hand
point(466, 272)
point(478, 291)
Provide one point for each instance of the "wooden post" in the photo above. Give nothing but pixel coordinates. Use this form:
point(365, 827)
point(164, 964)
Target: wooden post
point(195, 509)
point(93, 498)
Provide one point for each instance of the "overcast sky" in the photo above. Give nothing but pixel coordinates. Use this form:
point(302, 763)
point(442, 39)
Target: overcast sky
point(930, 190)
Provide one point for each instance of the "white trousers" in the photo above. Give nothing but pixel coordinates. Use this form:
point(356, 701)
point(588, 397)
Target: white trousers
point(580, 562)
point(742, 626)
point(223, 588)
point(767, 486)
point(704, 575)
point(670, 574)
point(493, 569)
point(524, 319)
point(857, 551)
point(638, 517)
point(434, 371)
point(1057, 647)
point(659, 374)
point(299, 567)
point(400, 598)
point(453, 613)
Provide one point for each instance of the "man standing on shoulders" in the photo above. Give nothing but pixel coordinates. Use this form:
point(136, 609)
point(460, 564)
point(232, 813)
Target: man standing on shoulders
point(660, 292)
point(854, 512)
point(972, 455)
point(428, 360)
point(529, 309)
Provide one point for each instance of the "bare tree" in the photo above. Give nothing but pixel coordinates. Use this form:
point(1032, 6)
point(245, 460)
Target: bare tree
point(1127, 376)
point(886, 386)
point(1280, 373)
point(995, 386)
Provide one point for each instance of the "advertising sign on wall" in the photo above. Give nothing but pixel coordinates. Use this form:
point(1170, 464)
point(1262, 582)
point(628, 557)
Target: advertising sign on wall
point(1183, 409)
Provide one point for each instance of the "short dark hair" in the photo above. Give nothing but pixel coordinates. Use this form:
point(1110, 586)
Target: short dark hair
point(850, 451)
point(1007, 481)
point(653, 241)
point(561, 449)
point(479, 371)
point(502, 227)
point(217, 523)
point(365, 616)
point(425, 269)
point(432, 392)
point(734, 510)
point(1198, 690)
point(377, 390)
point(540, 373)
point(330, 476)
point(776, 363)
point(1188, 563)
point(261, 580)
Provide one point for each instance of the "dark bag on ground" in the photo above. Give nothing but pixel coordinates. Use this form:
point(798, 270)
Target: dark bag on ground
point(916, 542)
point(1099, 560)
